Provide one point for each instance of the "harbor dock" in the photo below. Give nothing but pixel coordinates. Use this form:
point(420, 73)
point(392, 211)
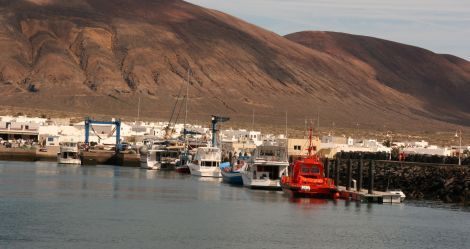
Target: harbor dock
point(106, 157)
point(363, 195)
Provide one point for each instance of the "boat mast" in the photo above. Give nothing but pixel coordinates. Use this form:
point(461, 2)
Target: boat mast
point(138, 111)
point(253, 121)
point(186, 114)
point(138, 117)
point(310, 147)
point(287, 141)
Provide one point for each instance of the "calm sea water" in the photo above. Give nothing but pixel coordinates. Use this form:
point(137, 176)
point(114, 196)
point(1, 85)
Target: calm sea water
point(43, 205)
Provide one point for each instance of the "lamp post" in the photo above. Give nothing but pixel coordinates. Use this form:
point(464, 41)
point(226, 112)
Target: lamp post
point(459, 134)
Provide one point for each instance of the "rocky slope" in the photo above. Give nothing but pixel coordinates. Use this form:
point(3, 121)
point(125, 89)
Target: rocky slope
point(101, 56)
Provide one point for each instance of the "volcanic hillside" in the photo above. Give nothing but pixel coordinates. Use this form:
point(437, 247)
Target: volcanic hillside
point(101, 56)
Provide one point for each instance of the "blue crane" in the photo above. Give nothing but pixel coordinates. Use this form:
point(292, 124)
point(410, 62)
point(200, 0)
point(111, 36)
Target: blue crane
point(117, 123)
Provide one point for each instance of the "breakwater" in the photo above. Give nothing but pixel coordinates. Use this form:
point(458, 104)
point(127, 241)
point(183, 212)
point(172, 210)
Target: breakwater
point(421, 181)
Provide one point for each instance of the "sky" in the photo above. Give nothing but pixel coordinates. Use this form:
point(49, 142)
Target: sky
point(441, 26)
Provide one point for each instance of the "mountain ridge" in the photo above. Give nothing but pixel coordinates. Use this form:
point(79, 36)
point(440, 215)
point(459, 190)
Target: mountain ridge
point(97, 56)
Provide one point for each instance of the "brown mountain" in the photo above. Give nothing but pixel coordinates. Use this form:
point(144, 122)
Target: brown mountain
point(441, 81)
point(101, 56)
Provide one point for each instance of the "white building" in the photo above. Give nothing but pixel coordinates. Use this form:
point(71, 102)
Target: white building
point(242, 136)
point(429, 150)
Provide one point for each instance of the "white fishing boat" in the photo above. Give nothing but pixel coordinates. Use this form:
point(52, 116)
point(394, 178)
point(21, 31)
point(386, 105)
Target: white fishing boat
point(265, 169)
point(157, 159)
point(206, 162)
point(69, 154)
point(151, 159)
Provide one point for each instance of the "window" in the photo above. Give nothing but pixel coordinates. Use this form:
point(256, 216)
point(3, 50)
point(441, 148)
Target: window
point(310, 169)
point(297, 147)
point(315, 170)
point(209, 164)
point(266, 153)
point(50, 139)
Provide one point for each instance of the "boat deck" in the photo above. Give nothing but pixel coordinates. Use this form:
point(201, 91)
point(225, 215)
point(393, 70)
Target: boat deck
point(364, 196)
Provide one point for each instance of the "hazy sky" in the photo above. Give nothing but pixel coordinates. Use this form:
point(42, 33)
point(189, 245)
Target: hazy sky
point(442, 26)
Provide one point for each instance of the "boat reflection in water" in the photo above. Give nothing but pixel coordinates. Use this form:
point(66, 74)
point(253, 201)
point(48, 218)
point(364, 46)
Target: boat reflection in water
point(308, 201)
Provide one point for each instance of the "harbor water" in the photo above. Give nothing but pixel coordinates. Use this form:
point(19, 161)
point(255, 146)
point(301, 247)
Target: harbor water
point(43, 205)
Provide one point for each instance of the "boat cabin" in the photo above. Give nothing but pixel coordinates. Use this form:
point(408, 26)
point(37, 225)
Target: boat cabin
point(69, 150)
point(269, 162)
point(263, 171)
point(308, 168)
point(207, 157)
point(270, 153)
point(162, 155)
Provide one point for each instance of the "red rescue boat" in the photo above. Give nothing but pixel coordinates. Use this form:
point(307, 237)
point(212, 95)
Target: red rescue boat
point(307, 178)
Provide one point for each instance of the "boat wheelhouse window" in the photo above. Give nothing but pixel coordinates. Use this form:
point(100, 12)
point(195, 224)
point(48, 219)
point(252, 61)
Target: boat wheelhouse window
point(315, 170)
point(266, 153)
point(312, 169)
point(209, 164)
point(305, 170)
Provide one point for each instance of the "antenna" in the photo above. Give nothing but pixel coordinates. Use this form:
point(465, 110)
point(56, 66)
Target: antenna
point(310, 147)
point(286, 124)
point(305, 129)
point(318, 122)
point(138, 111)
point(253, 121)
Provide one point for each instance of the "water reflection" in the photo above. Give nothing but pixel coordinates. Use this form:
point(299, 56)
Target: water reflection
point(207, 179)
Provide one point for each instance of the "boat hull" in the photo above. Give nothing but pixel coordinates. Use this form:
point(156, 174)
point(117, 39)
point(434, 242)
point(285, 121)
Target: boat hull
point(309, 191)
point(196, 170)
point(167, 166)
point(183, 169)
point(266, 184)
point(234, 178)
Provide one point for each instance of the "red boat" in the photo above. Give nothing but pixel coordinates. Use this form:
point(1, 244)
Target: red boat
point(307, 178)
point(184, 169)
